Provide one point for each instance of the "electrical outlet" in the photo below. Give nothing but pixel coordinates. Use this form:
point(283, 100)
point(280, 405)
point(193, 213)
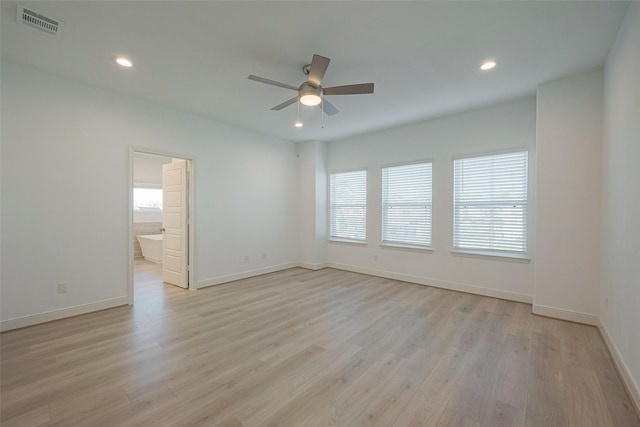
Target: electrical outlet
point(375, 257)
point(246, 258)
point(264, 256)
point(62, 287)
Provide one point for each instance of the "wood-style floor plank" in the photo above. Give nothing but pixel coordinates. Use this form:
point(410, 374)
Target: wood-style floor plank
point(309, 348)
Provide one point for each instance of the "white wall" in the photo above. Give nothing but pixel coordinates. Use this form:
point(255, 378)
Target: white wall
point(65, 168)
point(147, 169)
point(144, 216)
point(312, 204)
point(568, 197)
point(620, 300)
point(147, 172)
point(501, 127)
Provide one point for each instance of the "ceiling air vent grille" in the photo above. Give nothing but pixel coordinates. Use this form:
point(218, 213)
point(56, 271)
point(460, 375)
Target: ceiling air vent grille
point(39, 21)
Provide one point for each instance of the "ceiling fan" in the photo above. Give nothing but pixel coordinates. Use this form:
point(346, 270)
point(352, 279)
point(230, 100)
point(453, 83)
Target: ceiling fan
point(311, 92)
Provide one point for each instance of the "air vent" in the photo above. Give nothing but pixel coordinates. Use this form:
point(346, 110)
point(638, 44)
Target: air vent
point(39, 21)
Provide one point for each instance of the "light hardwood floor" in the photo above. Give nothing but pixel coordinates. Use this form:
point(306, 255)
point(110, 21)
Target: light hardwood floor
point(304, 348)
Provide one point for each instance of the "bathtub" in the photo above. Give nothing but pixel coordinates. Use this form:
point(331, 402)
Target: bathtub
point(151, 246)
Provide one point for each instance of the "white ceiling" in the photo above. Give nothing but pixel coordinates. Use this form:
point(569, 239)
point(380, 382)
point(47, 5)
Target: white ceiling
point(422, 56)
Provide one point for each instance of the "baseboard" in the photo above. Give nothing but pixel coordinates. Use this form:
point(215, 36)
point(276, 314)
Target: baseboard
point(48, 316)
point(244, 275)
point(310, 266)
point(572, 316)
point(453, 286)
point(633, 390)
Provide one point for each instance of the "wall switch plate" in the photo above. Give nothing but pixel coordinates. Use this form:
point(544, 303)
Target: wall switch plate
point(62, 287)
point(246, 258)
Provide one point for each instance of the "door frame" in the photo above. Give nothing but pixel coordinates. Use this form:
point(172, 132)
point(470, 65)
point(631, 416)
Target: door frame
point(193, 283)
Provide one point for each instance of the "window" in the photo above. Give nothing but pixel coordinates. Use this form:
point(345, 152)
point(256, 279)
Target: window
point(490, 203)
point(406, 205)
point(147, 199)
point(348, 206)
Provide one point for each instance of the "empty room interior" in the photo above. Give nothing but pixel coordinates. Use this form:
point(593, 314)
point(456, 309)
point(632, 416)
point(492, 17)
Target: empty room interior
point(310, 213)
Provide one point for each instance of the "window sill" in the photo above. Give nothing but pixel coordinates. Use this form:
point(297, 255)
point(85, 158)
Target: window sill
point(400, 246)
point(348, 241)
point(496, 256)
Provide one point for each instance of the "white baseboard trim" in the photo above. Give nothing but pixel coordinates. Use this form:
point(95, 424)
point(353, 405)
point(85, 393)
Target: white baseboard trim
point(572, 316)
point(633, 390)
point(244, 275)
point(48, 316)
point(310, 266)
point(453, 286)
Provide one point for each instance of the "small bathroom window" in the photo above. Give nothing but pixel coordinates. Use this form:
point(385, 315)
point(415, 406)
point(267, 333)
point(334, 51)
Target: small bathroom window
point(147, 199)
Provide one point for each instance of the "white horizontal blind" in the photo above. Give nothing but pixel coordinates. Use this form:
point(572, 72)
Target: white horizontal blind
point(406, 205)
point(490, 203)
point(348, 205)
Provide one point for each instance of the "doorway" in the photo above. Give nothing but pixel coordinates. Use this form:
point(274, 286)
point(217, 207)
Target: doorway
point(161, 226)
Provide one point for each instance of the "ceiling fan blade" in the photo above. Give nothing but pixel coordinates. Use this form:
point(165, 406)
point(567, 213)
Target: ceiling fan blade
point(285, 104)
point(328, 108)
point(319, 66)
point(349, 89)
point(271, 82)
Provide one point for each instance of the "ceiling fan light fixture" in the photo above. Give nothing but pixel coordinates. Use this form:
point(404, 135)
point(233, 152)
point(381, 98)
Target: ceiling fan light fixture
point(298, 124)
point(310, 99)
point(309, 95)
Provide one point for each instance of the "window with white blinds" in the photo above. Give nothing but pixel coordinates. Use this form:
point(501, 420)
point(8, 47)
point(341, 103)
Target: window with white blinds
point(348, 206)
point(490, 203)
point(406, 205)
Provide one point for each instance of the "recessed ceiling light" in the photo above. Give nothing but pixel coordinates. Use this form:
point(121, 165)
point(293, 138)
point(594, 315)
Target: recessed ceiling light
point(487, 65)
point(124, 62)
point(298, 124)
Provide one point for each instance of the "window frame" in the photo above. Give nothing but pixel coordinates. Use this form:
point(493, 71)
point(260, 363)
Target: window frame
point(507, 255)
point(330, 205)
point(399, 244)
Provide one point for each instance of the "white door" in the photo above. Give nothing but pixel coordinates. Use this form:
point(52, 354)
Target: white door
point(174, 222)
